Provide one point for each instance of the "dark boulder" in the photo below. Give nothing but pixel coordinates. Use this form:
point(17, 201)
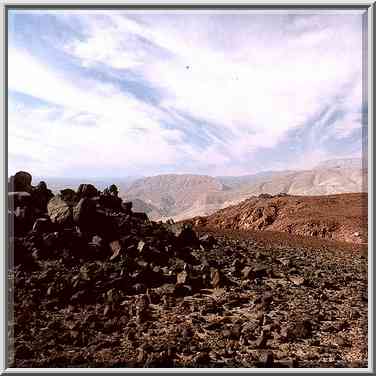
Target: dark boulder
point(127, 206)
point(207, 240)
point(187, 236)
point(41, 195)
point(42, 225)
point(87, 191)
point(21, 182)
point(18, 199)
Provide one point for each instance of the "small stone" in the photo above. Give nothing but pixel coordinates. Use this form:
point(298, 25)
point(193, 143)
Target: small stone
point(246, 272)
point(182, 278)
point(140, 246)
point(296, 280)
point(342, 342)
point(291, 363)
point(116, 249)
point(267, 298)
point(216, 278)
point(141, 357)
point(226, 333)
point(260, 270)
point(187, 236)
point(97, 240)
point(261, 341)
point(269, 360)
point(187, 333)
point(41, 225)
point(207, 240)
point(106, 310)
point(301, 329)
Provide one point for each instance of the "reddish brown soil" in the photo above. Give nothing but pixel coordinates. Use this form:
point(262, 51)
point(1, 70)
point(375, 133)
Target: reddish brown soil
point(271, 239)
point(341, 217)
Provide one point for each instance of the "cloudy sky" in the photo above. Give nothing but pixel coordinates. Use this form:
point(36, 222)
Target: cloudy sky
point(118, 93)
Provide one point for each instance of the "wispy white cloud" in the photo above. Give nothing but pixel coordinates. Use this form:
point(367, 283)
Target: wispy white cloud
point(58, 132)
point(253, 77)
point(267, 88)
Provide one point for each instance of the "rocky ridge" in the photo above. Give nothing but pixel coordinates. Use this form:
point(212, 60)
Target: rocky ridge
point(340, 217)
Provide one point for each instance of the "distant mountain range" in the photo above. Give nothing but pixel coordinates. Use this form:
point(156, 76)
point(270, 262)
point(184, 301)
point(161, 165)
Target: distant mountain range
point(341, 163)
point(58, 183)
point(185, 196)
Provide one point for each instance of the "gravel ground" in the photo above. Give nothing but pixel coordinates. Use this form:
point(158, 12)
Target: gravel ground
point(170, 300)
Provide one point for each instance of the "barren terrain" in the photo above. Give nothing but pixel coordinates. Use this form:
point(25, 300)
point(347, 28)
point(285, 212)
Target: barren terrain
point(183, 196)
point(341, 217)
point(169, 299)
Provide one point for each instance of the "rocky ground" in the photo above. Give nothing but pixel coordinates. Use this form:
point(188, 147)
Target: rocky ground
point(172, 300)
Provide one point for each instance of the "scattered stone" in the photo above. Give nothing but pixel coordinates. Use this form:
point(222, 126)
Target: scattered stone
point(187, 236)
point(247, 272)
point(207, 240)
point(165, 303)
point(260, 342)
point(260, 270)
point(296, 280)
point(302, 329)
point(216, 279)
point(42, 225)
point(140, 246)
point(182, 278)
point(116, 249)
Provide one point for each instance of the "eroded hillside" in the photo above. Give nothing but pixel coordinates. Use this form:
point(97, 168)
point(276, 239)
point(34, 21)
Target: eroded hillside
point(341, 217)
point(185, 196)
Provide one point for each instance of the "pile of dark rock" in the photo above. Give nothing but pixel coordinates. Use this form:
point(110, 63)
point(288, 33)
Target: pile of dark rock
point(94, 284)
point(87, 249)
point(91, 226)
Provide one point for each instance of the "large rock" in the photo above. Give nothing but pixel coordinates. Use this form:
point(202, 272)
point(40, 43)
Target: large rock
point(18, 199)
point(60, 210)
point(84, 212)
point(87, 191)
point(21, 182)
point(20, 212)
point(111, 202)
point(187, 236)
point(41, 196)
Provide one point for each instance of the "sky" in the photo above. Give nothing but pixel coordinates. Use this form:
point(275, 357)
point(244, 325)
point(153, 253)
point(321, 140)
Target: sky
point(138, 93)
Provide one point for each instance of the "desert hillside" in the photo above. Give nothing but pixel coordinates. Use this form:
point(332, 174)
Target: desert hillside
point(341, 217)
point(172, 194)
point(186, 196)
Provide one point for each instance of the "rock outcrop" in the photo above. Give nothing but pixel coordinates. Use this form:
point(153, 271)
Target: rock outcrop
point(341, 217)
